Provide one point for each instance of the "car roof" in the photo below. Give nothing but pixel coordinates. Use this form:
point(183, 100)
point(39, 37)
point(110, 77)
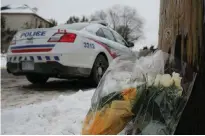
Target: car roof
point(74, 26)
point(80, 26)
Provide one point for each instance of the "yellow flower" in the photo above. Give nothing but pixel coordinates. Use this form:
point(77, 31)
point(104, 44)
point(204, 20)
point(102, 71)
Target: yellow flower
point(157, 80)
point(129, 94)
point(177, 80)
point(166, 80)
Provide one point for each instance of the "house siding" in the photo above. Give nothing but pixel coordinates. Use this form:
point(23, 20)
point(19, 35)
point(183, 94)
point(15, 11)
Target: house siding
point(36, 22)
point(17, 21)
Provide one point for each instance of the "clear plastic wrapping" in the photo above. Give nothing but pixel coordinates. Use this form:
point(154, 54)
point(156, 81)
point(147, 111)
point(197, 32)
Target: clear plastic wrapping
point(144, 95)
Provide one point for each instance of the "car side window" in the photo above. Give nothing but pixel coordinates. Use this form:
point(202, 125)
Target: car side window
point(119, 39)
point(100, 33)
point(109, 35)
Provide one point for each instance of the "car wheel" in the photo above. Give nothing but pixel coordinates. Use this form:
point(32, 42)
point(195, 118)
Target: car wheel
point(37, 78)
point(99, 68)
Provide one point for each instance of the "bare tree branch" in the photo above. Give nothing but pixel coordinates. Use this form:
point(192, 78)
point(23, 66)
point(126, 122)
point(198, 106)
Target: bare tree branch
point(124, 19)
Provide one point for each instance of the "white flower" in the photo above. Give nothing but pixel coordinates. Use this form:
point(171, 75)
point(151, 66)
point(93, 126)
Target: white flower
point(179, 93)
point(157, 80)
point(166, 80)
point(150, 80)
point(177, 80)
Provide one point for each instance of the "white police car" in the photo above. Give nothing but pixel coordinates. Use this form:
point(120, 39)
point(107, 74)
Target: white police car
point(65, 51)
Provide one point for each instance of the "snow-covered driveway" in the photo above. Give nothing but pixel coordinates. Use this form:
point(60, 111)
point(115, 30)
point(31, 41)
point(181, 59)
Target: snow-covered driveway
point(63, 115)
point(16, 91)
point(58, 107)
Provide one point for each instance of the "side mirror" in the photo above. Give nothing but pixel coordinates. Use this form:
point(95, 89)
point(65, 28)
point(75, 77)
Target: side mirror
point(130, 44)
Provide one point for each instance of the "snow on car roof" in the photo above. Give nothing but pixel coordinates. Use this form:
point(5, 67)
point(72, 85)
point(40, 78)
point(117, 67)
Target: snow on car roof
point(74, 26)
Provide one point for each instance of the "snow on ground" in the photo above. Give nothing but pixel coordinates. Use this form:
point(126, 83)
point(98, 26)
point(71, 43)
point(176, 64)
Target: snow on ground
point(63, 115)
point(3, 60)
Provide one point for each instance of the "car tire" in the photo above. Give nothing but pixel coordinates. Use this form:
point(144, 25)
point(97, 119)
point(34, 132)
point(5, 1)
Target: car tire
point(100, 66)
point(37, 78)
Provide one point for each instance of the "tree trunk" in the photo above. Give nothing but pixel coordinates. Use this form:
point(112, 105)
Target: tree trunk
point(182, 33)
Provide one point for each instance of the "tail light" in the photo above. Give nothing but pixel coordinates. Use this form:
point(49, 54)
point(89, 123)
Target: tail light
point(63, 37)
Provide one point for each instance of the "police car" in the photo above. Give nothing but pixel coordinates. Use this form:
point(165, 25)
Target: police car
point(65, 51)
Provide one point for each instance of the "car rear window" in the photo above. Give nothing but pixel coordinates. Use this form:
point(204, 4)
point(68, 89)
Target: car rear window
point(108, 34)
point(74, 26)
point(100, 33)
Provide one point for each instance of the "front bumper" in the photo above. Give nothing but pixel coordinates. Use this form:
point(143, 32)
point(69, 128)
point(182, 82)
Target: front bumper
point(51, 69)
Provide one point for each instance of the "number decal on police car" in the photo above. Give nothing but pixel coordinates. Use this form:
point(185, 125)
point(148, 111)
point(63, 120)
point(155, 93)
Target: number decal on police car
point(89, 45)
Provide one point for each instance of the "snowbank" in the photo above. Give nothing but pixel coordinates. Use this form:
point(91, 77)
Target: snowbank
point(63, 115)
point(3, 60)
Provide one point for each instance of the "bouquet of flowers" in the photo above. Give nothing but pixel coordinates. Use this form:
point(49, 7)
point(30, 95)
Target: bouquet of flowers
point(139, 96)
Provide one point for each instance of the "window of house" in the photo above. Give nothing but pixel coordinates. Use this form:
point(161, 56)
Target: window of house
point(40, 25)
point(36, 23)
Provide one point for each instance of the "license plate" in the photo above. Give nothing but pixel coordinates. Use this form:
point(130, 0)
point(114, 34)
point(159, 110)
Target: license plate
point(27, 65)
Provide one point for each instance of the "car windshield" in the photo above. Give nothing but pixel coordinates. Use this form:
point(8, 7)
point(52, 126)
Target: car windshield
point(74, 26)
